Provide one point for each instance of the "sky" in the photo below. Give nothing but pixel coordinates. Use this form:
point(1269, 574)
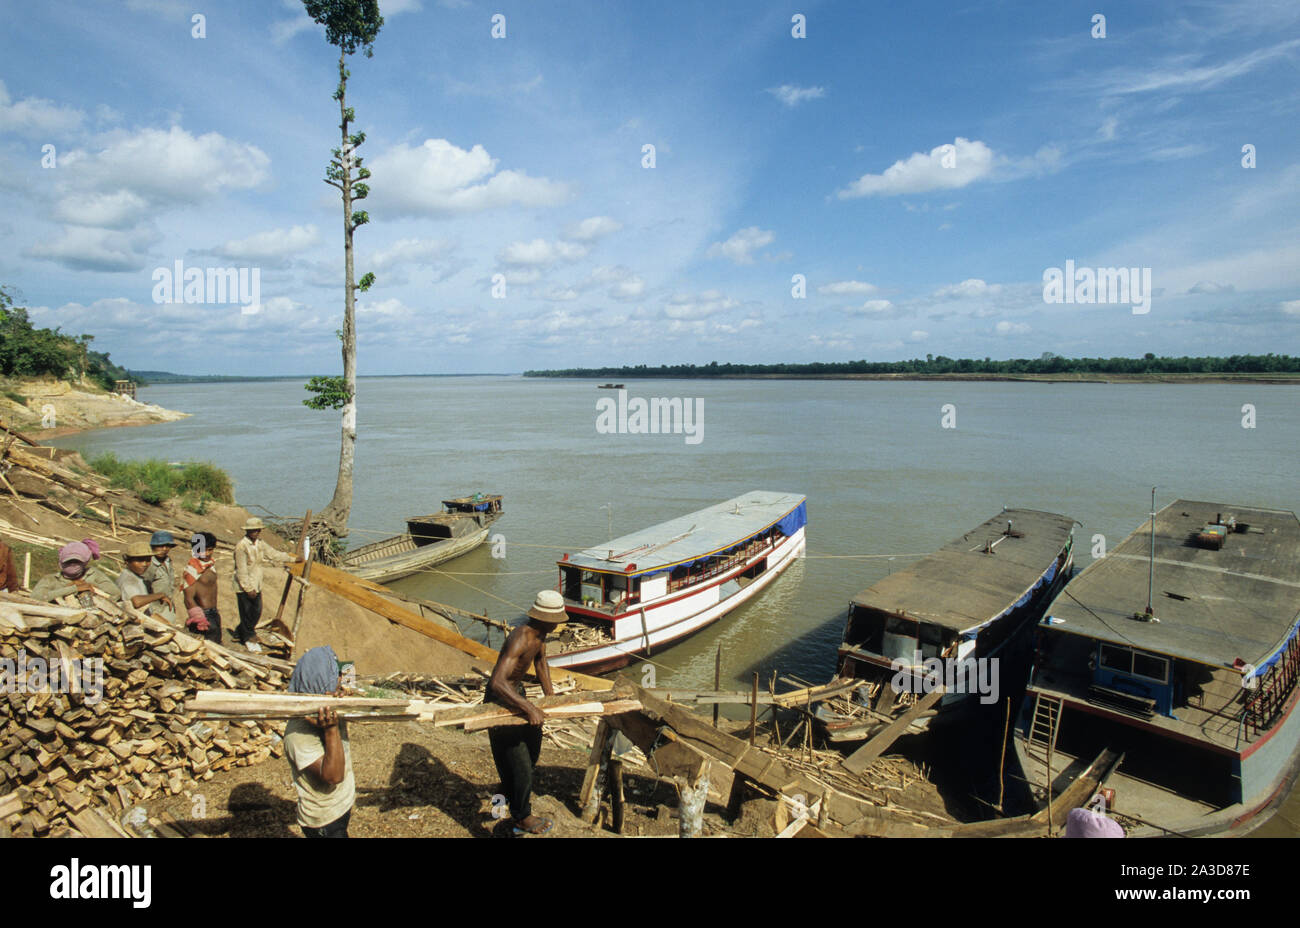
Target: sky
point(828, 181)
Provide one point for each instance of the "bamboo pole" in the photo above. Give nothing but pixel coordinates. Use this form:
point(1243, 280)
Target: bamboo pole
point(27, 571)
point(1002, 758)
point(717, 682)
point(753, 710)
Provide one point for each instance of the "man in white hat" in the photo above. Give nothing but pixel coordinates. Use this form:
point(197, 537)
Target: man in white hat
point(515, 748)
point(250, 554)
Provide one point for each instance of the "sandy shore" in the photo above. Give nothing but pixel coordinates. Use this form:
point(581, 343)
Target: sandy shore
point(54, 407)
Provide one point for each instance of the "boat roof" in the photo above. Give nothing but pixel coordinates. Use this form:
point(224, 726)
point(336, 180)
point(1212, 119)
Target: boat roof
point(959, 586)
point(1214, 606)
point(692, 536)
point(468, 500)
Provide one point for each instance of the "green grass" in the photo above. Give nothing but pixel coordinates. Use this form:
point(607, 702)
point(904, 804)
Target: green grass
point(44, 560)
point(195, 484)
point(16, 397)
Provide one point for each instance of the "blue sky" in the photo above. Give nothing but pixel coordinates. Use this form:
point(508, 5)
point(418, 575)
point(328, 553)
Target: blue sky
point(775, 156)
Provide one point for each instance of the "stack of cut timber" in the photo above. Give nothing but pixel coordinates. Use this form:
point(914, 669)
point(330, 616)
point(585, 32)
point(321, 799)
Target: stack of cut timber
point(70, 761)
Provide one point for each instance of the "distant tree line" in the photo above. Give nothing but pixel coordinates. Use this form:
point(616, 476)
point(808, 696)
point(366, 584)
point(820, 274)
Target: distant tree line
point(26, 351)
point(1048, 363)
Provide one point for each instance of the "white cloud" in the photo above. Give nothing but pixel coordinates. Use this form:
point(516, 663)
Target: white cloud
point(421, 251)
point(82, 248)
point(1011, 328)
point(791, 95)
point(1290, 307)
point(971, 287)
point(918, 335)
point(166, 167)
point(593, 228)
point(117, 210)
point(33, 116)
point(438, 178)
point(841, 287)
point(740, 247)
point(541, 253)
point(701, 306)
point(1209, 286)
point(270, 246)
point(921, 173)
point(871, 308)
point(1177, 77)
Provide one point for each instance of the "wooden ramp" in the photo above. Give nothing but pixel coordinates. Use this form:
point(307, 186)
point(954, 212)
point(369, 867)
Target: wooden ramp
point(370, 596)
point(862, 758)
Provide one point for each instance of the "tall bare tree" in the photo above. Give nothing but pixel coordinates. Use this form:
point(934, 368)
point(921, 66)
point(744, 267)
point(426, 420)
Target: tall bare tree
point(350, 25)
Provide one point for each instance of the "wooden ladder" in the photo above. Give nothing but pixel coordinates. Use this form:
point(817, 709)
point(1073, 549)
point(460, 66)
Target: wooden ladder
point(1044, 726)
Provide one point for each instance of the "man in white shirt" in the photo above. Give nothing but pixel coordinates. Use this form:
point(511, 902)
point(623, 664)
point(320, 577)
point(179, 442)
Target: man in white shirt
point(250, 554)
point(320, 759)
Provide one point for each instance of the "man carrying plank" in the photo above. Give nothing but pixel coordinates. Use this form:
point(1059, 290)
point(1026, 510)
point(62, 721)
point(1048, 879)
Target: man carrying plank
point(320, 759)
point(515, 748)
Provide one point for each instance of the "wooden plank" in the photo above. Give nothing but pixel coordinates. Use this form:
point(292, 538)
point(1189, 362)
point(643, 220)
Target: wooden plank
point(94, 824)
point(865, 756)
point(1083, 787)
point(590, 780)
point(364, 595)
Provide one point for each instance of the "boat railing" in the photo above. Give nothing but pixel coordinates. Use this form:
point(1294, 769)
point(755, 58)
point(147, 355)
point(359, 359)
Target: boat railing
point(722, 566)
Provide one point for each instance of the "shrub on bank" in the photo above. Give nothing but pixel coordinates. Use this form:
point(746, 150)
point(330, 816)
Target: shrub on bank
point(194, 483)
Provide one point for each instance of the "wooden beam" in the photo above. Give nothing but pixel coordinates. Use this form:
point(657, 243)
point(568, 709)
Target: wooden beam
point(1083, 787)
point(865, 756)
point(242, 704)
point(20, 436)
point(365, 594)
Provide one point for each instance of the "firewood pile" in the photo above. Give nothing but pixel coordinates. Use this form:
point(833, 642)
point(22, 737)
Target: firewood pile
point(94, 721)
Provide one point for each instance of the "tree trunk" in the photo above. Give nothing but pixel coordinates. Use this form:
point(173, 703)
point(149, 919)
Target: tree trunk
point(335, 515)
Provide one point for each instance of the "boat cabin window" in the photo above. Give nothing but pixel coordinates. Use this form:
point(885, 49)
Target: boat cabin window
point(931, 637)
point(899, 640)
point(1135, 663)
point(593, 589)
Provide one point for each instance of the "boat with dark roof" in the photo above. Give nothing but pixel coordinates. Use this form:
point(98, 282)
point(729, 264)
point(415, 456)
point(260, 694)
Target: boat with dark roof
point(428, 540)
point(639, 593)
point(955, 618)
point(1178, 652)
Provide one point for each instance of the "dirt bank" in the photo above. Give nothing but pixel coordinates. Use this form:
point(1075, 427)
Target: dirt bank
point(54, 407)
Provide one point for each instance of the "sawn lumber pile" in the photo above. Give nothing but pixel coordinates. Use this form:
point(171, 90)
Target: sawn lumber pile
point(73, 764)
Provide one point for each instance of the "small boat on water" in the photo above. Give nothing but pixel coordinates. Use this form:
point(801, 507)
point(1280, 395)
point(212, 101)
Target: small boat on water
point(609, 386)
point(428, 541)
point(637, 594)
point(1193, 703)
point(973, 600)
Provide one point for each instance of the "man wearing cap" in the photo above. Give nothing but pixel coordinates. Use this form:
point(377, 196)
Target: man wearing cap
point(77, 574)
point(515, 748)
point(161, 576)
point(135, 589)
point(250, 554)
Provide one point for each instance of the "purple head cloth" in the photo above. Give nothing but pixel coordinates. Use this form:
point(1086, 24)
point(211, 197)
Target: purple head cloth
point(1084, 823)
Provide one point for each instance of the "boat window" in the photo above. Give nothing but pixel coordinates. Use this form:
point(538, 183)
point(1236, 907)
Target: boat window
point(1113, 658)
point(592, 587)
point(1150, 666)
point(571, 583)
point(931, 640)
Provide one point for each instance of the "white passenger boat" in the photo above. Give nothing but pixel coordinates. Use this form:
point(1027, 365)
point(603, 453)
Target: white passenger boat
point(637, 594)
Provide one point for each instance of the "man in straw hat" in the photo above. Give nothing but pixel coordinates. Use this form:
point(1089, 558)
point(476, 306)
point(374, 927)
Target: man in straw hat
point(515, 748)
point(135, 589)
point(250, 554)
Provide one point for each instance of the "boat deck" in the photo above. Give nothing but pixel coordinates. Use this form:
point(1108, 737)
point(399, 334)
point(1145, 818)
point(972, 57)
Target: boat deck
point(1164, 811)
point(961, 586)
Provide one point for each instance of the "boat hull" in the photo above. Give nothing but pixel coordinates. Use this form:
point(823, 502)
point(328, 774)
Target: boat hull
point(683, 615)
point(420, 558)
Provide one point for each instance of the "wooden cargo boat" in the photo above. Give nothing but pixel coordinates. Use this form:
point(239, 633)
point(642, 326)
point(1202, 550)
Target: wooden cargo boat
point(639, 593)
point(428, 541)
point(1199, 695)
point(975, 599)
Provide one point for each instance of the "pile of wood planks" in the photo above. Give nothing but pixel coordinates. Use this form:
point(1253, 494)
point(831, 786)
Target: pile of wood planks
point(93, 720)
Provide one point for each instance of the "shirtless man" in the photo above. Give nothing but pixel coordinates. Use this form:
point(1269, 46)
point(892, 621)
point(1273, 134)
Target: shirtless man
point(515, 748)
point(199, 585)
